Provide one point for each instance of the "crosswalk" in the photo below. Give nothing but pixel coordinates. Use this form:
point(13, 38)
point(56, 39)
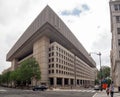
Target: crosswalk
point(67, 90)
point(76, 90)
point(2, 90)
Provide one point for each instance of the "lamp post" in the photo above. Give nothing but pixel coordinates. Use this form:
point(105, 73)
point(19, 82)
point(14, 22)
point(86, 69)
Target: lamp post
point(99, 54)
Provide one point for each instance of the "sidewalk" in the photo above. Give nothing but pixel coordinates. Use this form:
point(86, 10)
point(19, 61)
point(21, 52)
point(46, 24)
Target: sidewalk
point(100, 94)
point(103, 94)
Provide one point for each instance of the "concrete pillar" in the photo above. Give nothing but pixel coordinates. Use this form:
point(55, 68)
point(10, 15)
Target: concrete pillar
point(82, 82)
point(63, 82)
point(14, 64)
point(75, 80)
point(69, 82)
point(55, 81)
point(40, 53)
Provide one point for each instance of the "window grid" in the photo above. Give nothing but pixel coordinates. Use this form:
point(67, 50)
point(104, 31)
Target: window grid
point(61, 62)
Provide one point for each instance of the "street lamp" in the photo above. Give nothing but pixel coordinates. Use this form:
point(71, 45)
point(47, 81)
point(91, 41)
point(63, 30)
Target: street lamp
point(99, 54)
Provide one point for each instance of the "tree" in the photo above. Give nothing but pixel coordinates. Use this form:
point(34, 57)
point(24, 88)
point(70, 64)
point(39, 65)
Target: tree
point(15, 76)
point(108, 81)
point(104, 72)
point(96, 81)
point(22, 75)
point(29, 69)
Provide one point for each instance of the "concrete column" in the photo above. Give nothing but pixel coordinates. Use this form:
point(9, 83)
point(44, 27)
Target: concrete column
point(63, 82)
point(82, 83)
point(69, 82)
point(40, 52)
point(75, 71)
point(55, 81)
point(14, 64)
point(79, 82)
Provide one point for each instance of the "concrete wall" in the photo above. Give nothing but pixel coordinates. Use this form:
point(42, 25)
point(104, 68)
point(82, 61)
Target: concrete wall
point(40, 52)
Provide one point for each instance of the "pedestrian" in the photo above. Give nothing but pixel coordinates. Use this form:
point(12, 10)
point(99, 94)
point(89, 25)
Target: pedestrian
point(111, 89)
point(107, 90)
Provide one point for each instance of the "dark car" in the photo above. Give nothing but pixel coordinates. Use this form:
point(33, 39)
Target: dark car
point(41, 88)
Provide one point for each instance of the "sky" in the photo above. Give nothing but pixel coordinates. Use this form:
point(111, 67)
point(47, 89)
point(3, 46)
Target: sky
point(89, 20)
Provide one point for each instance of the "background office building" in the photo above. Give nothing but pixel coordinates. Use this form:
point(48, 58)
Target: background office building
point(115, 42)
point(62, 59)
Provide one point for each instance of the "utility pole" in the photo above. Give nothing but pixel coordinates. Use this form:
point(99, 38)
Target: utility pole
point(99, 54)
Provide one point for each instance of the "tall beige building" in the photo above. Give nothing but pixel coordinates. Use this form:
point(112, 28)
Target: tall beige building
point(115, 42)
point(62, 59)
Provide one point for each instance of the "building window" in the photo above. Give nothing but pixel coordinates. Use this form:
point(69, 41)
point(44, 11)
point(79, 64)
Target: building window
point(49, 49)
point(118, 30)
point(117, 7)
point(52, 47)
point(118, 19)
point(52, 59)
point(52, 71)
point(56, 65)
point(119, 42)
point(56, 71)
point(52, 65)
point(52, 53)
point(49, 65)
point(60, 71)
point(59, 50)
point(56, 47)
point(59, 66)
point(49, 60)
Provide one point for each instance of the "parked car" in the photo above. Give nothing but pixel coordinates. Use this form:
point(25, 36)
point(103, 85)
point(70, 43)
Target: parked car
point(41, 88)
point(97, 87)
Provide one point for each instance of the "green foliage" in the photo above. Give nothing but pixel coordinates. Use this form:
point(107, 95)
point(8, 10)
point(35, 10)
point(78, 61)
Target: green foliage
point(23, 74)
point(104, 72)
point(28, 69)
point(6, 77)
point(15, 75)
point(96, 81)
point(108, 81)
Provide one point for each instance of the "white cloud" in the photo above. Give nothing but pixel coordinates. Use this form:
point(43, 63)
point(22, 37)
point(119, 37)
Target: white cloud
point(90, 27)
point(75, 11)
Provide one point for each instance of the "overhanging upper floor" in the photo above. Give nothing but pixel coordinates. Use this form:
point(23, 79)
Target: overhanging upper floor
point(48, 24)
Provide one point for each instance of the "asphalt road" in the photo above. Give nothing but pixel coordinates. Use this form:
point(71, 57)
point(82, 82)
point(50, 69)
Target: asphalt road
point(8, 92)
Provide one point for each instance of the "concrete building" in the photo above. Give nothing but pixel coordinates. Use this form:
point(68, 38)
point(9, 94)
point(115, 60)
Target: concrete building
point(62, 59)
point(115, 42)
point(6, 70)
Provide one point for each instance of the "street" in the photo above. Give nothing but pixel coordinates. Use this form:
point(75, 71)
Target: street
point(9, 92)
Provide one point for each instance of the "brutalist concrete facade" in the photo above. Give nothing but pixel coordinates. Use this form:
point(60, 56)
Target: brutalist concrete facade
point(46, 29)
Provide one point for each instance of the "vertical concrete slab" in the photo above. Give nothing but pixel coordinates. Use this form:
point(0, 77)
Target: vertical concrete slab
point(40, 53)
point(14, 64)
point(55, 82)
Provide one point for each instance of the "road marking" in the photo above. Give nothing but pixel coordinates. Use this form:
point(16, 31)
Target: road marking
point(3, 90)
point(94, 94)
point(73, 90)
